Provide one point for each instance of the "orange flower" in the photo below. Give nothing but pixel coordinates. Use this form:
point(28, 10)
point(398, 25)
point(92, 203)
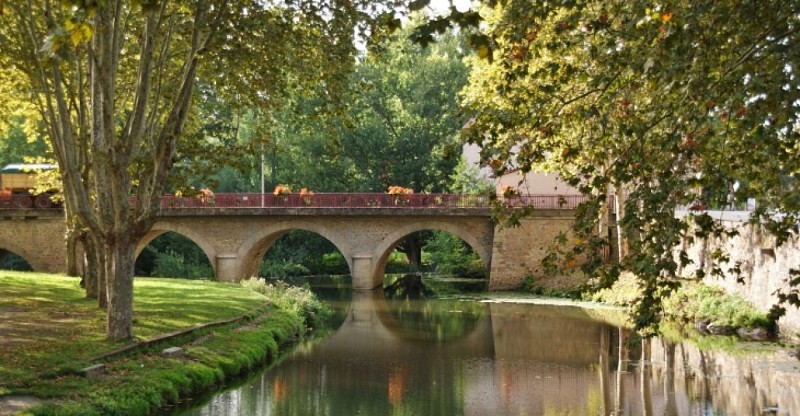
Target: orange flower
point(399, 190)
point(282, 190)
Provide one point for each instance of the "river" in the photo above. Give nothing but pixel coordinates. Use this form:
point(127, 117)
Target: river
point(469, 357)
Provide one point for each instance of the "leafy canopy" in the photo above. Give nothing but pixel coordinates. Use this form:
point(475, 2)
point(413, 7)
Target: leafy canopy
point(666, 104)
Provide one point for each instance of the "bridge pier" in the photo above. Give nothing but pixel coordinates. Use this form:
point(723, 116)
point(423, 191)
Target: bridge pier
point(228, 268)
point(363, 272)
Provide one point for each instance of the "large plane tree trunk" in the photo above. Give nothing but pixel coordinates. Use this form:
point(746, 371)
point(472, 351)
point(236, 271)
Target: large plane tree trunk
point(119, 263)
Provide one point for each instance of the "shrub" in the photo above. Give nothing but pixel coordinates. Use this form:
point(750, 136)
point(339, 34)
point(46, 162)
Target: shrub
point(334, 263)
point(282, 269)
point(299, 300)
point(172, 264)
point(624, 292)
point(698, 302)
point(397, 263)
point(451, 256)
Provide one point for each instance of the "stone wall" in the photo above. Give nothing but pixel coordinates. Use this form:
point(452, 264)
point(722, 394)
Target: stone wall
point(518, 252)
point(764, 267)
point(37, 236)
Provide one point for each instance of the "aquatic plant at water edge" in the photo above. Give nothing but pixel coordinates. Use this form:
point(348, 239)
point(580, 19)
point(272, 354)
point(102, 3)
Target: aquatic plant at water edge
point(698, 302)
point(298, 300)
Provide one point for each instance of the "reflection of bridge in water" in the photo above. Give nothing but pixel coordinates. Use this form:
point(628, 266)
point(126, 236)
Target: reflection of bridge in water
point(235, 231)
point(509, 359)
point(512, 357)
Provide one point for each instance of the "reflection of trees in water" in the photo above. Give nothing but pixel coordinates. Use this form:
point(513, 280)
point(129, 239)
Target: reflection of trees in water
point(409, 286)
point(414, 311)
point(409, 370)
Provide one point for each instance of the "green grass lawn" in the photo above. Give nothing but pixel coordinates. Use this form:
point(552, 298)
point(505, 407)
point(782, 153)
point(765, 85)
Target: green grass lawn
point(47, 324)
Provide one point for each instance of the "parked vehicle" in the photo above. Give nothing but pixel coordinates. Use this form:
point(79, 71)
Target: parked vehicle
point(17, 184)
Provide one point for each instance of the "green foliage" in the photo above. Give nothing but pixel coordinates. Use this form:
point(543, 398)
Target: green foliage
point(300, 301)
point(17, 147)
point(144, 384)
point(172, 264)
point(281, 269)
point(399, 128)
point(299, 253)
point(449, 255)
point(636, 98)
point(698, 303)
point(529, 284)
point(623, 292)
point(334, 264)
point(173, 255)
point(11, 261)
point(397, 263)
point(466, 179)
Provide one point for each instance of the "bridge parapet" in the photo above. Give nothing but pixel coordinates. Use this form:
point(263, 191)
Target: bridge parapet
point(324, 212)
point(455, 204)
point(327, 200)
point(367, 201)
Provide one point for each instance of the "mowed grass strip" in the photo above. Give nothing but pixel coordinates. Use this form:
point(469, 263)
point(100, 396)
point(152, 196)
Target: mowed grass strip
point(48, 326)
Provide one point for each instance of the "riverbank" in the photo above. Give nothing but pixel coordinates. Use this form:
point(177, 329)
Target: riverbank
point(49, 335)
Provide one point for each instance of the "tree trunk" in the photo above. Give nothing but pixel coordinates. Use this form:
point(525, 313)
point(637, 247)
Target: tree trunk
point(622, 240)
point(90, 277)
point(412, 248)
point(73, 257)
point(119, 263)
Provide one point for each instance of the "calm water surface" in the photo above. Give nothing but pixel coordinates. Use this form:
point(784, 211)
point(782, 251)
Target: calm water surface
point(451, 357)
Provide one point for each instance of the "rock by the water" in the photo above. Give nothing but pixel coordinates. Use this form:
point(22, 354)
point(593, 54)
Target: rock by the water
point(721, 329)
point(702, 326)
point(753, 334)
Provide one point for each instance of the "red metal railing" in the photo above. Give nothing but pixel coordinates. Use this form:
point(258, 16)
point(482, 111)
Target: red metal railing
point(365, 200)
point(546, 201)
point(353, 200)
point(326, 200)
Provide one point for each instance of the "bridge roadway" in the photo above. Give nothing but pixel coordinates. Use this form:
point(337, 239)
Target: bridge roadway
point(236, 230)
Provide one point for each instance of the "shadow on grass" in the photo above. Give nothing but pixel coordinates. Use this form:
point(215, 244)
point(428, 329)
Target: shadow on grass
point(47, 323)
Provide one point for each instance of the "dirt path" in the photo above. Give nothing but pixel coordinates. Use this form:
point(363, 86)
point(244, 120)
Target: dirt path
point(9, 405)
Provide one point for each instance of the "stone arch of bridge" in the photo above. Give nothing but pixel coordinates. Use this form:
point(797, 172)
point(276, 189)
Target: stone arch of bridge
point(161, 227)
point(19, 250)
point(253, 250)
point(382, 251)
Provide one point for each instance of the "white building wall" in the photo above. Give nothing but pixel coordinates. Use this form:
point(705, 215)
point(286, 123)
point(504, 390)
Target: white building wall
point(534, 183)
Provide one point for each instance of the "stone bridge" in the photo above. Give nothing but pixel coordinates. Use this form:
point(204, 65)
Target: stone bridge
point(235, 238)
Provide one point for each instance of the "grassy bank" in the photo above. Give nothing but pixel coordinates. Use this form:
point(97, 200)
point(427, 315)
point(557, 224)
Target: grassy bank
point(49, 332)
point(692, 304)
